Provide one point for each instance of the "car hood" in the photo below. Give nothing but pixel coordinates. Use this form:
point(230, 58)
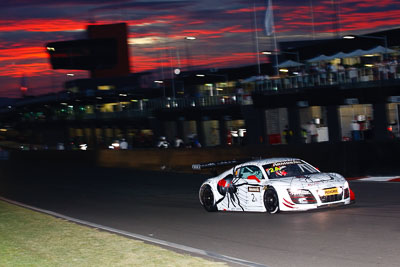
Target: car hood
point(317, 180)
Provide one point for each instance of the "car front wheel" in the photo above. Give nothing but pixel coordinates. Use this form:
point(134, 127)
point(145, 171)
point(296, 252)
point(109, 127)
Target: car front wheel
point(271, 201)
point(207, 198)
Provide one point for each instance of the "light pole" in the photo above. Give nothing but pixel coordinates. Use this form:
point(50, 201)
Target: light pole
point(188, 57)
point(174, 71)
point(70, 77)
point(172, 75)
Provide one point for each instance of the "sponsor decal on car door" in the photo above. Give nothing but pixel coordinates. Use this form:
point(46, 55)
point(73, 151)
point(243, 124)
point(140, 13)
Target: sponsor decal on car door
point(254, 198)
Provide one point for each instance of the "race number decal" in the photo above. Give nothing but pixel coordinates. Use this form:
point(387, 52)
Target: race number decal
point(278, 170)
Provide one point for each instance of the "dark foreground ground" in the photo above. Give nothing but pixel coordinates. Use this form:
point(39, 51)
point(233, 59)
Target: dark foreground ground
point(165, 206)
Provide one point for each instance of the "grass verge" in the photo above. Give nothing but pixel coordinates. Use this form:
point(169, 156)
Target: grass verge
point(29, 238)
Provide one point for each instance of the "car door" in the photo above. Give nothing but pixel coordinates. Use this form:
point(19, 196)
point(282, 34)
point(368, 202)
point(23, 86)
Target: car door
point(251, 189)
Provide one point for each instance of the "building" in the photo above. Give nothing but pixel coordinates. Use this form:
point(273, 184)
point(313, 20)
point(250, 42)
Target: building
point(222, 107)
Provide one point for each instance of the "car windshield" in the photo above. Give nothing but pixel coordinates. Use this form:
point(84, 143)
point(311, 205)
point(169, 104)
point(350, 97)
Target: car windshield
point(287, 168)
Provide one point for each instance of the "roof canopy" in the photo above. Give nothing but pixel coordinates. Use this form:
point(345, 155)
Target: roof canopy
point(356, 53)
point(318, 59)
point(338, 55)
point(381, 50)
point(289, 63)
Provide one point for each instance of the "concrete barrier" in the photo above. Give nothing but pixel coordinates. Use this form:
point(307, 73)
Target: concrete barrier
point(351, 159)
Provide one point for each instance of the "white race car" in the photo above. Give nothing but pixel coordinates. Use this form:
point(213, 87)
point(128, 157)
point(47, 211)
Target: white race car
point(273, 185)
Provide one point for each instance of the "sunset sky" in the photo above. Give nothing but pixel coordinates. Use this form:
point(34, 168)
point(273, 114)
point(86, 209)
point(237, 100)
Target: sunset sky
point(225, 32)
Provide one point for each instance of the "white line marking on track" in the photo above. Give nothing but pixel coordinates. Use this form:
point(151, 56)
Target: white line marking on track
point(380, 178)
point(142, 237)
point(377, 178)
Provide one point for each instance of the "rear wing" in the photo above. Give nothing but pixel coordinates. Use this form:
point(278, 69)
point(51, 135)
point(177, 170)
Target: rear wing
point(209, 165)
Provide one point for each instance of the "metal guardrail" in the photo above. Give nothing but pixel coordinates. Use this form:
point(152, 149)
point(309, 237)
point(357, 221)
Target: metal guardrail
point(144, 108)
point(350, 76)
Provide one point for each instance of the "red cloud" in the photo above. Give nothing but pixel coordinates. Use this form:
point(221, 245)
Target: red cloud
point(20, 69)
point(245, 10)
point(223, 60)
point(217, 32)
point(41, 25)
point(22, 53)
point(352, 16)
point(370, 3)
point(363, 21)
point(55, 25)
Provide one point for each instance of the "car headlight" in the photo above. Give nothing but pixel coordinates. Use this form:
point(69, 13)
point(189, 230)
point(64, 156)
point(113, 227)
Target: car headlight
point(340, 190)
point(321, 192)
point(346, 190)
point(301, 196)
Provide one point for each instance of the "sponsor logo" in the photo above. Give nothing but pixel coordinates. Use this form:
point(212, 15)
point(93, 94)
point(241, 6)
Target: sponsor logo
point(196, 167)
point(331, 191)
point(286, 162)
point(254, 189)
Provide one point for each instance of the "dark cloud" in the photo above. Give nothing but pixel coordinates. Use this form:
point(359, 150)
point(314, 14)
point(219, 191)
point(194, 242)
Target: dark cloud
point(37, 12)
point(25, 3)
point(148, 5)
point(22, 38)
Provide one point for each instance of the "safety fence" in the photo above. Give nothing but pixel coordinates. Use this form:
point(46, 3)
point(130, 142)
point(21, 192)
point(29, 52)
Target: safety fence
point(349, 76)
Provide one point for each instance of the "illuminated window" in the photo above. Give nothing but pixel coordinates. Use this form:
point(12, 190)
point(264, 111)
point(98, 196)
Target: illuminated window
point(105, 87)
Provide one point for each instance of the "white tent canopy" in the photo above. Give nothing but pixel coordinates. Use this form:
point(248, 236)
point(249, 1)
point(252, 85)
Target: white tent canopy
point(337, 55)
point(380, 50)
point(289, 63)
point(318, 59)
point(357, 53)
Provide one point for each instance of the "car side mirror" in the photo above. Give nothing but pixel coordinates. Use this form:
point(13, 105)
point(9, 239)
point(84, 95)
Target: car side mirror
point(235, 172)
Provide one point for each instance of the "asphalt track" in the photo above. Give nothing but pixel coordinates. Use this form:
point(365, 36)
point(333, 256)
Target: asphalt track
point(165, 206)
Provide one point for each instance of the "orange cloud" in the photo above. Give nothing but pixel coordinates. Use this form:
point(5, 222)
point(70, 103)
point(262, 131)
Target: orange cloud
point(28, 60)
point(22, 53)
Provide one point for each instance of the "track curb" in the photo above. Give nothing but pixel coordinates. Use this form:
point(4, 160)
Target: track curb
point(375, 179)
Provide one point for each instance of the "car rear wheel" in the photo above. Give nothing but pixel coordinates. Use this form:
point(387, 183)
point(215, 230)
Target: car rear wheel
point(207, 198)
point(271, 201)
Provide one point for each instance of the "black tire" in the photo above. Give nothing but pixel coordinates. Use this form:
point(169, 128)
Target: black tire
point(271, 201)
point(207, 198)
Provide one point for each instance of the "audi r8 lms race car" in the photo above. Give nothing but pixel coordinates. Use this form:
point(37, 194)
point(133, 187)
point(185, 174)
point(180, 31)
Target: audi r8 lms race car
point(273, 185)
